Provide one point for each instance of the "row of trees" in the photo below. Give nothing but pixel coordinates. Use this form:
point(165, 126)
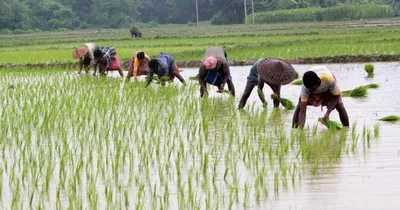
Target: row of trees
point(72, 14)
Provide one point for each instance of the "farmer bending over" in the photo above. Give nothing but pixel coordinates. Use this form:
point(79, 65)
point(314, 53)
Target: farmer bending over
point(139, 65)
point(164, 66)
point(319, 89)
point(107, 60)
point(274, 72)
point(215, 70)
point(86, 57)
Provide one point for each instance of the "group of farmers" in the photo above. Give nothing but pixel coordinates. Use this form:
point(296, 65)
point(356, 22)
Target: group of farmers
point(319, 84)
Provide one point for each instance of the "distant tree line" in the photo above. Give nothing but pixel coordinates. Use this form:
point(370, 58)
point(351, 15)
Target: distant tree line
point(75, 14)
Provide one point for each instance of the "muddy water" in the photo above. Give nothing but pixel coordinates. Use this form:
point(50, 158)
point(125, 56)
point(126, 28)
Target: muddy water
point(368, 179)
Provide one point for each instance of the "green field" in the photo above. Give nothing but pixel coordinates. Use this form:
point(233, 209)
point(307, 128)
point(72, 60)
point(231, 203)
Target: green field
point(72, 141)
point(188, 43)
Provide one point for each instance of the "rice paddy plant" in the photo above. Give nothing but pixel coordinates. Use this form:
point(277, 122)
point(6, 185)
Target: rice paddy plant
point(288, 104)
point(297, 82)
point(369, 68)
point(377, 128)
point(284, 42)
point(105, 143)
point(390, 118)
point(372, 85)
point(360, 91)
point(330, 124)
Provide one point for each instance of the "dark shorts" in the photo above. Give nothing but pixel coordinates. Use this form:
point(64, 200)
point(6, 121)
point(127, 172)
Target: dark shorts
point(253, 76)
point(86, 61)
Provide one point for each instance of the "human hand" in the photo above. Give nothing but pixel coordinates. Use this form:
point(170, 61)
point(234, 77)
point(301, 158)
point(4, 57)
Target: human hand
point(325, 117)
point(221, 87)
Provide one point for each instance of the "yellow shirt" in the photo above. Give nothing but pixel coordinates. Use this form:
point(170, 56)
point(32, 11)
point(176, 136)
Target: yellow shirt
point(136, 64)
point(328, 82)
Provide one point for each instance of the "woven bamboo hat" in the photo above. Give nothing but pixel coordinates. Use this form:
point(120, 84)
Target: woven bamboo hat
point(275, 71)
point(80, 51)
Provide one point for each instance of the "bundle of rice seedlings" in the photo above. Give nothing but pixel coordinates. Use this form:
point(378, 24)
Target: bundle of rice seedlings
point(298, 82)
point(288, 104)
point(346, 92)
point(372, 85)
point(369, 68)
point(330, 124)
point(390, 118)
point(360, 91)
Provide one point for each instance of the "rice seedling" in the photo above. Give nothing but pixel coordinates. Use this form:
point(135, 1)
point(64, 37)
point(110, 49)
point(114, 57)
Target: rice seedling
point(372, 85)
point(113, 147)
point(360, 91)
point(390, 118)
point(56, 48)
point(369, 68)
point(330, 124)
point(288, 104)
point(297, 82)
point(377, 128)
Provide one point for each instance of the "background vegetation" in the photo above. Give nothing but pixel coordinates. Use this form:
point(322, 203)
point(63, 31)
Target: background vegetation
point(35, 15)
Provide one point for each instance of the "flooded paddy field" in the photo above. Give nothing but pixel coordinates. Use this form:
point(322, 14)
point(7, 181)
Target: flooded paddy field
point(77, 141)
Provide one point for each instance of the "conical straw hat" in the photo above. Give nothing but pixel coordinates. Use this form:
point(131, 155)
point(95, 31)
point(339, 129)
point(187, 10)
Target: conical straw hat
point(80, 51)
point(275, 71)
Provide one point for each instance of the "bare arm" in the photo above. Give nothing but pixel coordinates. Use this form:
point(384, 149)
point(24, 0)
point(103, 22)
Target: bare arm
point(149, 76)
point(331, 106)
point(225, 69)
point(202, 75)
point(302, 114)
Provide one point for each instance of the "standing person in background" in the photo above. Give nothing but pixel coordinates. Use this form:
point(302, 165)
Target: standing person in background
point(165, 67)
point(274, 72)
point(107, 60)
point(319, 89)
point(214, 69)
point(86, 57)
point(138, 65)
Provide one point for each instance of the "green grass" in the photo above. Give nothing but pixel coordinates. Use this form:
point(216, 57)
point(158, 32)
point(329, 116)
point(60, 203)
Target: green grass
point(242, 42)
